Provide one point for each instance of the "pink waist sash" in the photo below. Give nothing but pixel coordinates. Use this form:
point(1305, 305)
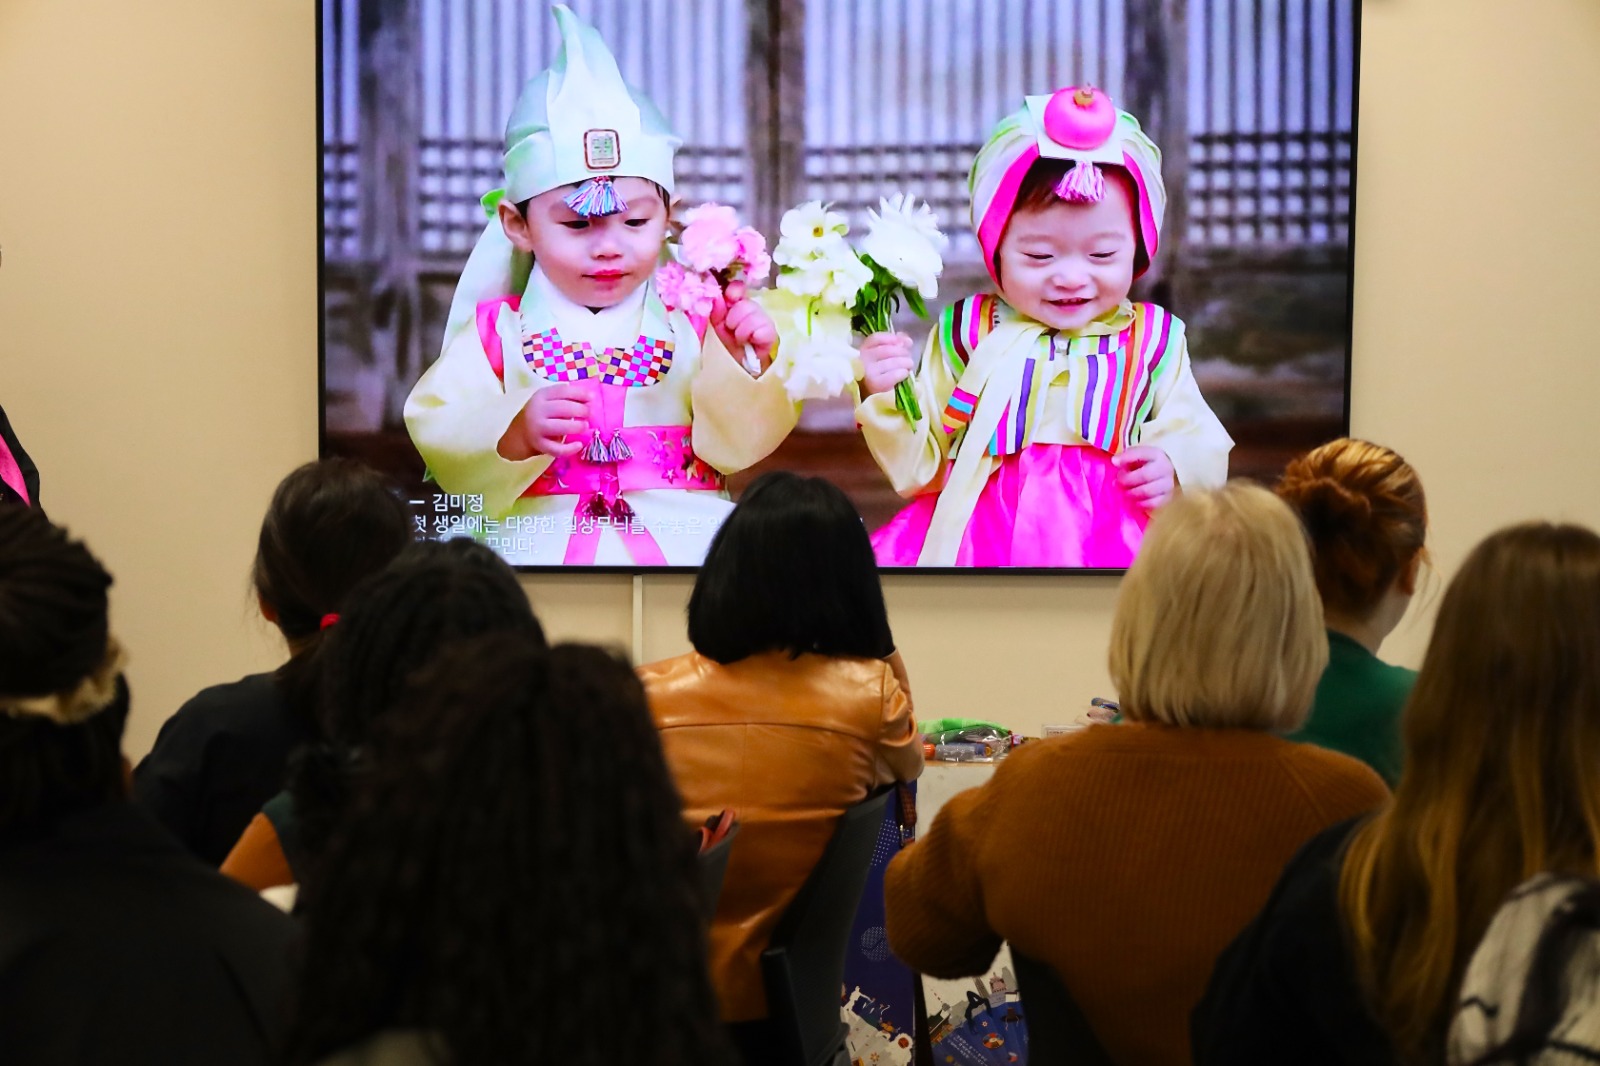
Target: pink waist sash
point(619, 460)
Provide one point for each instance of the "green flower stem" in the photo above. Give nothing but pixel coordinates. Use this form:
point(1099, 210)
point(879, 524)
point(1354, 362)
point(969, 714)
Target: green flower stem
point(874, 313)
point(905, 401)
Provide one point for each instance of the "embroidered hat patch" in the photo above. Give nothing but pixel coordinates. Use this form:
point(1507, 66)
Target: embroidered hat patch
point(602, 149)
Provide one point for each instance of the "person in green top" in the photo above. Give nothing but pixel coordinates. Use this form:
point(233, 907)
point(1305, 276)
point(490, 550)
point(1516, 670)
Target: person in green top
point(1367, 519)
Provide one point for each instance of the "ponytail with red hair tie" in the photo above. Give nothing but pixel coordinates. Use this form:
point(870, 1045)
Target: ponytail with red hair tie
point(329, 619)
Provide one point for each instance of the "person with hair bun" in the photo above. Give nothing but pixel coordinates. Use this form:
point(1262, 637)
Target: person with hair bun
point(225, 752)
point(116, 945)
point(1367, 518)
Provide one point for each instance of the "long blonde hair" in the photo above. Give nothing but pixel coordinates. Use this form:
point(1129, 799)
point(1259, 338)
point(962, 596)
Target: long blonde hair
point(1501, 778)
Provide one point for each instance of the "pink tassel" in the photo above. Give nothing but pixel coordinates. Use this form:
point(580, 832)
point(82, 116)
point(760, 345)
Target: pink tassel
point(1083, 184)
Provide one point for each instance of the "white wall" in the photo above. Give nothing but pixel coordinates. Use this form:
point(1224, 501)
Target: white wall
point(158, 322)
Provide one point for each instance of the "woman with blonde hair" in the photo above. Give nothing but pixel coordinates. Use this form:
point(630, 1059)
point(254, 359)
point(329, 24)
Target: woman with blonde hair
point(1360, 952)
point(1365, 512)
point(1126, 856)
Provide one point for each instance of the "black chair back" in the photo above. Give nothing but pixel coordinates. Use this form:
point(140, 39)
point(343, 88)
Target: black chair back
point(803, 967)
point(1058, 1033)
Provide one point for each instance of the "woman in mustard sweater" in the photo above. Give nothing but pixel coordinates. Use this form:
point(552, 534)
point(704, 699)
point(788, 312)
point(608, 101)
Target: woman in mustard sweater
point(1125, 857)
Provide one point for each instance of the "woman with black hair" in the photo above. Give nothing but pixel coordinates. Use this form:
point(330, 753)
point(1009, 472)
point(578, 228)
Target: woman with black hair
point(393, 626)
point(116, 946)
point(793, 706)
point(226, 751)
point(510, 882)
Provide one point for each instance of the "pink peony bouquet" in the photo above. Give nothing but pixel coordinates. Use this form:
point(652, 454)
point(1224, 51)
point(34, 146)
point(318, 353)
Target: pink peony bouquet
point(714, 252)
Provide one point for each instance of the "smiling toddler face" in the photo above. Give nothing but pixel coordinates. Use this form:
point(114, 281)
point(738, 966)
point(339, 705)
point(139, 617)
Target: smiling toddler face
point(1067, 264)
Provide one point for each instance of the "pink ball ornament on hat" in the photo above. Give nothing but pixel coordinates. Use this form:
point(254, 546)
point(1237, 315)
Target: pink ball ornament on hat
point(1080, 117)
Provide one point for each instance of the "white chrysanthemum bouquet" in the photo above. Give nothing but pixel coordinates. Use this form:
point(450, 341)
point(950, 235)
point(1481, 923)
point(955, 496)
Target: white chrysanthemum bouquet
point(819, 277)
point(905, 251)
point(836, 290)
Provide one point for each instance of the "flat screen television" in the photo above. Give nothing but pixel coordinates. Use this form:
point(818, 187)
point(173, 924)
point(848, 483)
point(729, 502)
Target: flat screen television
point(1251, 104)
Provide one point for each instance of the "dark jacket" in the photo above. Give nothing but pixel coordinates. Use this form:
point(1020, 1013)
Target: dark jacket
point(217, 762)
point(118, 947)
point(1285, 990)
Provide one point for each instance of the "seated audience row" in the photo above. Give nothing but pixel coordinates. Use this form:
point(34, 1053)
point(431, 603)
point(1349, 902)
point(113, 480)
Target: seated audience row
point(1359, 954)
point(495, 864)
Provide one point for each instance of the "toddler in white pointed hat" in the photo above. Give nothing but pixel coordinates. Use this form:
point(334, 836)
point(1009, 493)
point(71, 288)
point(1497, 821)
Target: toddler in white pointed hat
point(596, 425)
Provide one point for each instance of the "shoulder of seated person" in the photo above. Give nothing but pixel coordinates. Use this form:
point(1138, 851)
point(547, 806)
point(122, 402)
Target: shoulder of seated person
point(694, 666)
point(677, 669)
point(1324, 764)
point(1319, 759)
point(246, 693)
point(218, 707)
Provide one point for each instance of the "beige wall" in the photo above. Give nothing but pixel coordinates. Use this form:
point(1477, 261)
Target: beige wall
point(158, 321)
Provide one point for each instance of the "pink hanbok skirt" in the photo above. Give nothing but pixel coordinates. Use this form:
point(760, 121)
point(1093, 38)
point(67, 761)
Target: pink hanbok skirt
point(1049, 505)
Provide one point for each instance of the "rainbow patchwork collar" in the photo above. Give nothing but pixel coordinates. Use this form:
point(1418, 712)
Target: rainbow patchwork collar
point(644, 362)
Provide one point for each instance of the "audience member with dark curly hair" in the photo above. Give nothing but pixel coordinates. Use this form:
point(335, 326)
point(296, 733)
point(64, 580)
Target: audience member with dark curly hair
point(511, 882)
point(394, 625)
point(226, 751)
point(115, 944)
point(1364, 510)
point(792, 707)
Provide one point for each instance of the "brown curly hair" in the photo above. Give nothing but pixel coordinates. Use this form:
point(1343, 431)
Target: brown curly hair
point(1365, 512)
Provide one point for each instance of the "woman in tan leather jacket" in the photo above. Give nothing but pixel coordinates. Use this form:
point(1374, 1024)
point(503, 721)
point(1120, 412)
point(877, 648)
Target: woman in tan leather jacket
point(793, 706)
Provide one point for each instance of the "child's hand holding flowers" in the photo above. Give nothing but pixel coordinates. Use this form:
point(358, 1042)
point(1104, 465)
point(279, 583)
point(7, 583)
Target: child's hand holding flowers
point(717, 258)
point(904, 250)
point(887, 360)
point(742, 324)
